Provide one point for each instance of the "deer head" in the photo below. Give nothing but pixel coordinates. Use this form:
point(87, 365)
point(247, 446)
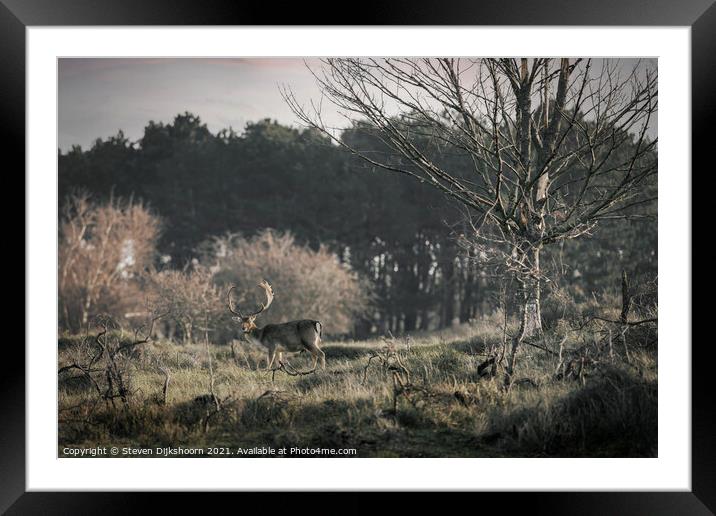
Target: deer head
point(247, 320)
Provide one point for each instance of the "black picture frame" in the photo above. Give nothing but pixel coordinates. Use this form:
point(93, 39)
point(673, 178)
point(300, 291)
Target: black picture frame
point(700, 15)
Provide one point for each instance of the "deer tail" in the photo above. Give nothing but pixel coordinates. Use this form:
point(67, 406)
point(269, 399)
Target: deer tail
point(319, 328)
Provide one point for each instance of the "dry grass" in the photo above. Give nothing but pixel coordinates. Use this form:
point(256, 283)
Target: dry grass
point(447, 410)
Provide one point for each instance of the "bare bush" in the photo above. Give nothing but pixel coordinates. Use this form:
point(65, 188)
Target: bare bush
point(308, 283)
point(102, 250)
point(558, 306)
point(107, 359)
point(190, 298)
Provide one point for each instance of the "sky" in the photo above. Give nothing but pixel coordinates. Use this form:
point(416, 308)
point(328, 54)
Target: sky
point(98, 97)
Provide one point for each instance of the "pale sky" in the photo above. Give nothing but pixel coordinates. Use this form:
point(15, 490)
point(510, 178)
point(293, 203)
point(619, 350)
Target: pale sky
point(98, 97)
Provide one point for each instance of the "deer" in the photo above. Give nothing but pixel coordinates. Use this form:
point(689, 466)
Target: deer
point(292, 337)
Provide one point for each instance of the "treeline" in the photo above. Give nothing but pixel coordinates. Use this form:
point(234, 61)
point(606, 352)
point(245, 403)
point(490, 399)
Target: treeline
point(400, 236)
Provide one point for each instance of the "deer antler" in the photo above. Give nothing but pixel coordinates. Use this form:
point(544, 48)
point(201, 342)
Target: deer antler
point(231, 308)
point(269, 297)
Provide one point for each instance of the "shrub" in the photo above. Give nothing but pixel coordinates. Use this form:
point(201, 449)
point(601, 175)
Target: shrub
point(190, 299)
point(558, 304)
point(614, 415)
point(307, 284)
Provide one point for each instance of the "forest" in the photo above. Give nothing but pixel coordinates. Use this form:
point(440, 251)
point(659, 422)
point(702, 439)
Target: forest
point(400, 236)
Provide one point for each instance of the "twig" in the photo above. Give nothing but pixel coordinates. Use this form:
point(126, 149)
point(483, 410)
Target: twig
point(217, 403)
point(627, 323)
point(487, 363)
point(535, 345)
point(165, 388)
point(289, 370)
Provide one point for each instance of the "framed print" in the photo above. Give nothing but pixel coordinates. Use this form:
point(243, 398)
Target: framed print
point(449, 252)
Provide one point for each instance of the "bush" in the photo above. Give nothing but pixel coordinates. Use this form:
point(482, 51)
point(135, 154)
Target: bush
point(557, 305)
point(307, 284)
point(102, 251)
point(614, 415)
point(191, 301)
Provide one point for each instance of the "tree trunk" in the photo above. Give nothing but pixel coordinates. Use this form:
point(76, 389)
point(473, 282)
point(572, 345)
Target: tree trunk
point(467, 300)
point(456, 293)
point(626, 298)
point(411, 319)
point(447, 308)
point(362, 329)
point(384, 325)
point(531, 311)
point(531, 324)
point(188, 332)
point(531, 314)
point(424, 320)
point(86, 311)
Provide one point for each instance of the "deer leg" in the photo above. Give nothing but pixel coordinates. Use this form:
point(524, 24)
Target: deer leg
point(323, 358)
point(318, 352)
point(271, 357)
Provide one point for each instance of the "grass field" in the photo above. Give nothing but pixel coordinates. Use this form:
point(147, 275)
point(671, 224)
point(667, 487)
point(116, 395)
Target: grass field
point(422, 397)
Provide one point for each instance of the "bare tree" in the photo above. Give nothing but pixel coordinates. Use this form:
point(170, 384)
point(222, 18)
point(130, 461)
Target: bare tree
point(102, 250)
point(554, 146)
